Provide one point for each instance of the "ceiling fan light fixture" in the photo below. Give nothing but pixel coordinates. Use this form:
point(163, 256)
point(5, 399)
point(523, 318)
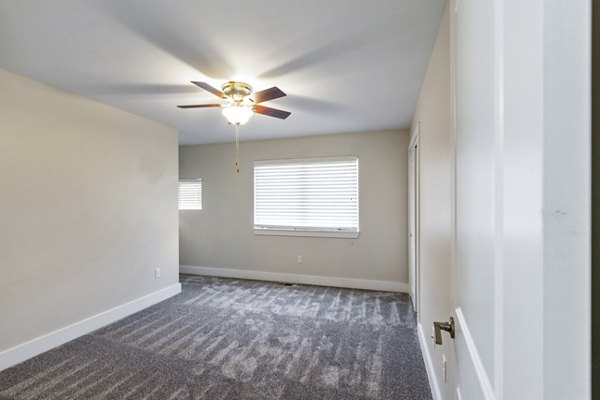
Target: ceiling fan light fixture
point(237, 114)
point(240, 107)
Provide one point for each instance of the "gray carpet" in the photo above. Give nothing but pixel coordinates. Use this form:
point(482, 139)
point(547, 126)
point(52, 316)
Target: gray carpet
point(239, 339)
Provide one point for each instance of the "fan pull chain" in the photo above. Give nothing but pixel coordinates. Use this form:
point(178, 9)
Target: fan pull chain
point(237, 147)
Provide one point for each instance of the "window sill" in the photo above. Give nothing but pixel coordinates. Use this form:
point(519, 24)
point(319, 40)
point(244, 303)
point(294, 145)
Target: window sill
point(323, 234)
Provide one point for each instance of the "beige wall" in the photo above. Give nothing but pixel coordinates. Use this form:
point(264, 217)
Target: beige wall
point(221, 234)
point(88, 208)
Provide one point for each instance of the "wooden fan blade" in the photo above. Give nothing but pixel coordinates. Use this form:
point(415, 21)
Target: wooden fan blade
point(200, 105)
point(208, 88)
point(272, 112)
point(268, 94)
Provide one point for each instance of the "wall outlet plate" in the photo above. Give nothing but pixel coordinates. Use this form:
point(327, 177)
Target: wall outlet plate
point(299, 259)
point(156, 273)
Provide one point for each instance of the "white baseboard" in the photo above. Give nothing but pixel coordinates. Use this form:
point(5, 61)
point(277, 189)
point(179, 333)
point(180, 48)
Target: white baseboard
point(482, 376)
point(435, 387)
point(367, 284)
point(60, 336)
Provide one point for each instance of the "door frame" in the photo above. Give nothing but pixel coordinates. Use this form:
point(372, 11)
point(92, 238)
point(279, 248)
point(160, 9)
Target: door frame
point(413, 219)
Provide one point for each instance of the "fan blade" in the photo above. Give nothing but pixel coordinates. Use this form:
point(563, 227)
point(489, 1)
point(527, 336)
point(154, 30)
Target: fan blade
point(209, 88)
point(200, 105)
point(272, 112)
point(268, 94)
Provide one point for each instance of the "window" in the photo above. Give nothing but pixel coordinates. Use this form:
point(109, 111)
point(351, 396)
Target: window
point(307, 197)
point(190, 194)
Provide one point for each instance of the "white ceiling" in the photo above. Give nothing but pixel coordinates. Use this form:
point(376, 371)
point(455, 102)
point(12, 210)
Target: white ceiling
point(346, 65)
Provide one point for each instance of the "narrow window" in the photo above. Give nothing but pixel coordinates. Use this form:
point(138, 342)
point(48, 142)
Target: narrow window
point(190, 194)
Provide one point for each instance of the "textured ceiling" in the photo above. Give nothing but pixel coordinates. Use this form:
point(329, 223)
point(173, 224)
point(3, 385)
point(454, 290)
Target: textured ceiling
point(346, 65)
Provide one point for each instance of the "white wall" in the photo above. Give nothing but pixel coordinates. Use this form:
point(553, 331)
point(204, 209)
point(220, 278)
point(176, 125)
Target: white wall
point(88, 208)
point(567, 166)
point(221, 234)
point(520, 242)
point(543, 343)
point(433, 122)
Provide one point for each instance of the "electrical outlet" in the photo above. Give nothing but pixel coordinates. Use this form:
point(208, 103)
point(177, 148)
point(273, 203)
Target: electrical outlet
point(299, 259)
point(444, 366)
point(156, 273)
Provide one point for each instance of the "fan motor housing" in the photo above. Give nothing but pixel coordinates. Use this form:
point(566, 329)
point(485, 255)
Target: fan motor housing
point(237, 90)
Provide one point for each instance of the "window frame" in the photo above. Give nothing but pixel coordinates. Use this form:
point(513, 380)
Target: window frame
point(308, 231)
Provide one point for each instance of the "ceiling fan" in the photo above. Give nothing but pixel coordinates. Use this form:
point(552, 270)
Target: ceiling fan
point(241, 102)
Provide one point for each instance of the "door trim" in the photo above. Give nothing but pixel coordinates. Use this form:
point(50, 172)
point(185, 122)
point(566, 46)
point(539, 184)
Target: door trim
point(415, 270)
point(433, 382)
point(477, 363)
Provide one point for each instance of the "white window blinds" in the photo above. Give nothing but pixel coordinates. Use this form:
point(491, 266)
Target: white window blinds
point(190, 194)
point(306, 195)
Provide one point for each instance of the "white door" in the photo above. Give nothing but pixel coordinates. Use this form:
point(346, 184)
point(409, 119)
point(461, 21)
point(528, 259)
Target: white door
point(476, 197)
point(521, 276)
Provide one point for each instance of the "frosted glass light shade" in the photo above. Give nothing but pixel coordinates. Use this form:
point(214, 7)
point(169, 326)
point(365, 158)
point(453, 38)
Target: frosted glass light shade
point(238, 114)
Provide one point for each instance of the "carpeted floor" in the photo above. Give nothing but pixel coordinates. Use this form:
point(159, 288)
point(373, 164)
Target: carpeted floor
point(237, 339)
